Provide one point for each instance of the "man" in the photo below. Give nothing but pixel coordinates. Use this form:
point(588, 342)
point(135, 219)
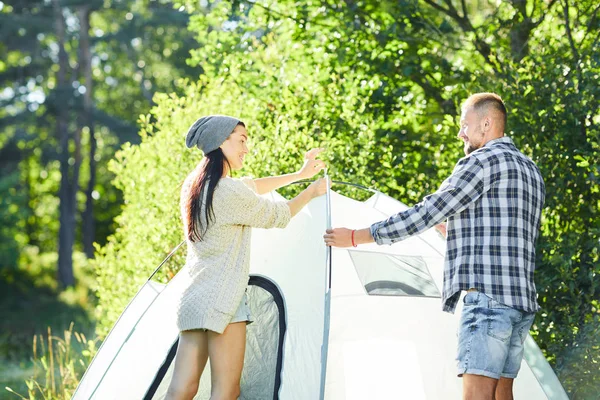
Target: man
point(492, 203)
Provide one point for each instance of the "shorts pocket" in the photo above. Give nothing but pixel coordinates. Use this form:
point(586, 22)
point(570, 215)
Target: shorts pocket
point(494, 304)
point(524, 325)
point(499, 324)
point(471, 298)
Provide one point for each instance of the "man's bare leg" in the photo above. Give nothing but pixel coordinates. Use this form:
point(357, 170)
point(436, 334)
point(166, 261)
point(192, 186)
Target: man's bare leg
point(504, 390)
point(477, 387)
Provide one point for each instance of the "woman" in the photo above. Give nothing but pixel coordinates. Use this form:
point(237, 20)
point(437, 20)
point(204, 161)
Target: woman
point(218, 213)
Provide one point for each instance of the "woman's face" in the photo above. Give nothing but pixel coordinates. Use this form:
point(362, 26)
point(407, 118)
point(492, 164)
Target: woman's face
point(234, 148)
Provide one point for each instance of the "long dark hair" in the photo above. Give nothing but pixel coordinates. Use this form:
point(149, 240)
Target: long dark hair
point(205, 179)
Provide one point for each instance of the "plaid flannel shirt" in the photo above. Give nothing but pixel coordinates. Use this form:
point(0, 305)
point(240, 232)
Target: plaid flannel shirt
point(492, 202)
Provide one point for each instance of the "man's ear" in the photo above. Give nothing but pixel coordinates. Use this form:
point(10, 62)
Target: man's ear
point(487, 124)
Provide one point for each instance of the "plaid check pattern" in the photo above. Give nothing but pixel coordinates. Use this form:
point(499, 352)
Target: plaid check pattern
point(492, 203)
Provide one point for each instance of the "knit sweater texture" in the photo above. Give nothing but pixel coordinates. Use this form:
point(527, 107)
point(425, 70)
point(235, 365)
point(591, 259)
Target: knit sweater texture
point(217, 267)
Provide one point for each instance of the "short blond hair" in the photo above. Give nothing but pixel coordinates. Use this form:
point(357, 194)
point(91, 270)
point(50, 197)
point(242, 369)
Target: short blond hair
point(484, 101)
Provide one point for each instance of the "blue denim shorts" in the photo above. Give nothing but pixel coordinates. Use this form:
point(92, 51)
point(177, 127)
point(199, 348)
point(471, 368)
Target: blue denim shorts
point(243, 312)
point(490, 337)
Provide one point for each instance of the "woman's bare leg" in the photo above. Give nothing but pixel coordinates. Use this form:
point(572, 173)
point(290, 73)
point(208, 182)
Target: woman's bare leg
point(226, 353)
point(192, 353)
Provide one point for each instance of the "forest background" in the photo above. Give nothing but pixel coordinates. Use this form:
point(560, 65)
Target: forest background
point(96, 97)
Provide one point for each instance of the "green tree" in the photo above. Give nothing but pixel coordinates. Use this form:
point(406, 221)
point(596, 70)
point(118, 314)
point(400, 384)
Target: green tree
point(76, 76)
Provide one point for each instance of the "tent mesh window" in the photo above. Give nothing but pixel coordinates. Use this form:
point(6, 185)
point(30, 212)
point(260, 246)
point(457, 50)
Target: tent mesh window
point(261, 377)
point(394, 275)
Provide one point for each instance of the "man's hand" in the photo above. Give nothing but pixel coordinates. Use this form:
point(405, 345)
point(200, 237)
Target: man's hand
point(311, 166)
point(338, 237)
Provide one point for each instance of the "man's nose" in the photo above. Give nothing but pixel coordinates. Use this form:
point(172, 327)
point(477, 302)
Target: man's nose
point(461, 134)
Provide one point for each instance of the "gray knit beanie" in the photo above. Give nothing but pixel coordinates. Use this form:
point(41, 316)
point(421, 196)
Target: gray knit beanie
point(208, 133)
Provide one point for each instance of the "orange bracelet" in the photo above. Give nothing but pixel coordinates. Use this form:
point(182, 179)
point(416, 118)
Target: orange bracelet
point(353, 244)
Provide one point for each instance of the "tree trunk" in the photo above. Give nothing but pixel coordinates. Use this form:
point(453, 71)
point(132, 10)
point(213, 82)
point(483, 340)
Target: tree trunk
point(519, 39)
point(89, 222)
point(66, 234)
point(31, 227)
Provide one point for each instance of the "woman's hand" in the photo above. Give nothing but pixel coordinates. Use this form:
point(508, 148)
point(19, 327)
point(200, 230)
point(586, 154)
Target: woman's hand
point(311, 166)
point(318, 187)
point(315, 189)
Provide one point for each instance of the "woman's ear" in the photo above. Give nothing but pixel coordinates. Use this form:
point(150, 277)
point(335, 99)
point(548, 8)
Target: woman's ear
point(223, 144)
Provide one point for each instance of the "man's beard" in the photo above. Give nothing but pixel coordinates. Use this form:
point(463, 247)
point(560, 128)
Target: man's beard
point(469, 148)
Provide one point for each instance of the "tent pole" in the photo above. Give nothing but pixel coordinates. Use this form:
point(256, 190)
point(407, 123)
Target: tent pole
point(326, 309)
point(165, 260)
point(328, 213)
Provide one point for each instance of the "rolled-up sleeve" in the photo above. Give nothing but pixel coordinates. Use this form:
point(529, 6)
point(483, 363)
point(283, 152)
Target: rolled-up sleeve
point(249, 182)
point(245, 207)
point(457, 192)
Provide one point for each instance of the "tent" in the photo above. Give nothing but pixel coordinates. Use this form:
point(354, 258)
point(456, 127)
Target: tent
point(358, 323)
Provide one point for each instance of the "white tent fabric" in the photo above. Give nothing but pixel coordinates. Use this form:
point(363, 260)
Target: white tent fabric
point(388, 337)
point(136, 346)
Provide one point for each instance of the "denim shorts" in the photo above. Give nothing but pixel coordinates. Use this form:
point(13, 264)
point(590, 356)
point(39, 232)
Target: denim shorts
point(243, 312)
point(490, 337)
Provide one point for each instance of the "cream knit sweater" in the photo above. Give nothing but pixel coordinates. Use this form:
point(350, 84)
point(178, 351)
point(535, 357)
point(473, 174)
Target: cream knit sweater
point(218, 266)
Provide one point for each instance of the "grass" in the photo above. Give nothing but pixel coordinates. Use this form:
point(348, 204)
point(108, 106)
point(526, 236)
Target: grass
point(57, 366)
point(39, 345)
